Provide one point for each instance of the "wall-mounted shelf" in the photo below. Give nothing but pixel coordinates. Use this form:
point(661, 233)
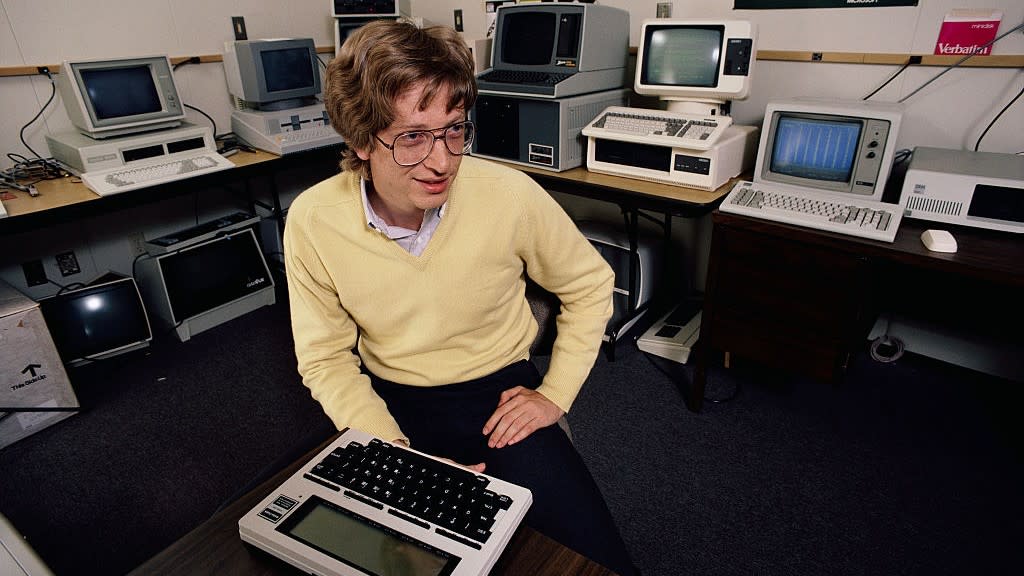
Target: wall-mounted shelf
point(991, 61)
point(55, 68)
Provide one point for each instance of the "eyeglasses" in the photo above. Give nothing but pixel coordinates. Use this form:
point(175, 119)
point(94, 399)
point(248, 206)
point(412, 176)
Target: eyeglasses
point(411, 148)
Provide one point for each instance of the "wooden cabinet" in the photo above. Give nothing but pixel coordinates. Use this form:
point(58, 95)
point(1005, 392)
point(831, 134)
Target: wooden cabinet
point(802, 300)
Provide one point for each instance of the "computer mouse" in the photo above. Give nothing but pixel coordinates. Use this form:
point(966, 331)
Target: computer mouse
point(938, 241)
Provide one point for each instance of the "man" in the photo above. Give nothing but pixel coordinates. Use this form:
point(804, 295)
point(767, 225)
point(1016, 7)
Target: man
point(416, 256)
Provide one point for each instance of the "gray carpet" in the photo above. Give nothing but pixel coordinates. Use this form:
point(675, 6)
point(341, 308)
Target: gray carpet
point(907, 468)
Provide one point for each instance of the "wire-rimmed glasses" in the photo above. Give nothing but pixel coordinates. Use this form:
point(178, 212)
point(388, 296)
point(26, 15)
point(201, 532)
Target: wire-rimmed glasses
point(411, 148)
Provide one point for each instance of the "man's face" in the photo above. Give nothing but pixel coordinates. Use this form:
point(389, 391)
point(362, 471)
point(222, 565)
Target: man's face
point(410, 190)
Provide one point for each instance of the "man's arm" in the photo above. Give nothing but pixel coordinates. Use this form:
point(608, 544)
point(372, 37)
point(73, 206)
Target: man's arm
point(559, 258)
point(325, 336)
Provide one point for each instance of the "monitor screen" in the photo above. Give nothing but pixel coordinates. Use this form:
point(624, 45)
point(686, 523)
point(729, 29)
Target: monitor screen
point(213, 274)
point(287, 69)
point(119, 92)
point(106, 98)
point(97, 321)
point(695, 60)
point(273, 74)
point(529, 38)
point(815, 148)
point(828, 145)
point(683, 56)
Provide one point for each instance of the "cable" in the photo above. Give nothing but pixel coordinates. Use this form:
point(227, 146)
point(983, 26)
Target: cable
point(195, 60)
point(53, 92)
point(992, 123)
point(976, 51)
point(893, 77)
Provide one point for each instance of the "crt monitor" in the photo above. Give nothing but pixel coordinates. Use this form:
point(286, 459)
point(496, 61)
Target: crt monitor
point(106, 98)
point(827, 145)
point(97, 321)
point(695, 65)
point(272, 74)
point(560, 38)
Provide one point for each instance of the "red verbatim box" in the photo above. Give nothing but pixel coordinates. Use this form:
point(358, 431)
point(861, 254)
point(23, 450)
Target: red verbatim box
point(964, 31)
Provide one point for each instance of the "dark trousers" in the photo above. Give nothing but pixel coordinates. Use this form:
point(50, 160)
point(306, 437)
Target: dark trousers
point(447, 421)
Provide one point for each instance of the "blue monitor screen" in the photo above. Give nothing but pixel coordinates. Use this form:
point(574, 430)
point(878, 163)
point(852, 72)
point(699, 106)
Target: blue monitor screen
point(120, 92)
point(682, 56)
point(287, 69)
point(815, 149)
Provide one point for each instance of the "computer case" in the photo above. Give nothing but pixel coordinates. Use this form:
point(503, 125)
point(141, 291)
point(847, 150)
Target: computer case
point(205, 284)
point(540, 132)
point(613, 244)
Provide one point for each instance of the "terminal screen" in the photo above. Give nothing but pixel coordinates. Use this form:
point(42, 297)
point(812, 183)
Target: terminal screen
point(120, 92)
point(682, 56)
point(815, 149)
point(528, 38)
point(287, 69)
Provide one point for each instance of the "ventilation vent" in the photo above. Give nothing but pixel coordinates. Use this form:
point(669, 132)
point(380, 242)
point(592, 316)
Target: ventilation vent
point(933, 206)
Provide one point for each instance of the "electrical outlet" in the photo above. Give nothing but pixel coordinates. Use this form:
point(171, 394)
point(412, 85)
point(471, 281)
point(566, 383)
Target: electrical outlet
point(138, 243)
point(35, 274)
point(238, 26)
point(664, 10)
point(67, 263)
point(458, 21)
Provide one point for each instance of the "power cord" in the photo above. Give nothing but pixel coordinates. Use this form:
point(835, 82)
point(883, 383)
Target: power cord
point(996, 118)
point(907, 64)
point(53, 92)
point(195, 60)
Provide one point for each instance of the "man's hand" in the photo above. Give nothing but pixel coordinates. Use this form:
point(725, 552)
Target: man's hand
point(520, 412)
point(478, 468)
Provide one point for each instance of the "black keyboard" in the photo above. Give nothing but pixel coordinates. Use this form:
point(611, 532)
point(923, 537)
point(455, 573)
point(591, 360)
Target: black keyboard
point(522, 77)
point(418, 489)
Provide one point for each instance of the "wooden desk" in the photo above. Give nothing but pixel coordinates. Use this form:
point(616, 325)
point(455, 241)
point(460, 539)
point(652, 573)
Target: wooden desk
point(803, 300)
point(67, 198)
point(215, 548)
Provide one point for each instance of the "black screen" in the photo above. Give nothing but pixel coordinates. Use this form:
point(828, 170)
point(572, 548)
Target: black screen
point(209, 275)
point(287, 69)
point(120, 92)
point(528, 38)
point(95, 320)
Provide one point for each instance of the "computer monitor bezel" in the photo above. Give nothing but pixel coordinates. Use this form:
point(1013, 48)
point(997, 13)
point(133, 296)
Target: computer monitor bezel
point(81, 108)
point(872, 160)
point(82, 354)
point(247, 76)
point(726, 87)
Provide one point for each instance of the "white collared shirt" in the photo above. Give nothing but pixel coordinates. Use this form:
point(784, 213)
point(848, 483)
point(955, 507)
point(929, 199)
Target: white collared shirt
point(413, 241)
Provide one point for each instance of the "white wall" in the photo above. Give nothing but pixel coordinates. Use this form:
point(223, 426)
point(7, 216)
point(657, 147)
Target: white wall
point(950, 113)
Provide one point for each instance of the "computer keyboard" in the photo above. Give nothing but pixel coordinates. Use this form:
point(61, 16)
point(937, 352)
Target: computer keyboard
point(522, 77)
point(659, 127)
point(429, 491)
point(143, 174)
point(863, 218)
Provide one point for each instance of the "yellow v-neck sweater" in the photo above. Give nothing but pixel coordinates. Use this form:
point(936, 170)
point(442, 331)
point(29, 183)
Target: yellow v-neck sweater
point(454, 313)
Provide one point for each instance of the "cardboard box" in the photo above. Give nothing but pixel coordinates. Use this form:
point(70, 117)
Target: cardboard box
point(34, 388)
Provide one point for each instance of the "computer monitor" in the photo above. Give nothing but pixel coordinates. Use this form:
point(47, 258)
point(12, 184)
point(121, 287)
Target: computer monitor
point(695, 65)
point(99, 321)
point(272, 74)
point(106, 98)
point(588, 42)
point(836, 146)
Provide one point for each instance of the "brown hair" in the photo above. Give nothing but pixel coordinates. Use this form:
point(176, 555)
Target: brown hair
point(381, 60)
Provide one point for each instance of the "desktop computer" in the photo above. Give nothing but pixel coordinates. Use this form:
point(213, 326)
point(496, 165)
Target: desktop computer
point(275, 84)
point(538, 132)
